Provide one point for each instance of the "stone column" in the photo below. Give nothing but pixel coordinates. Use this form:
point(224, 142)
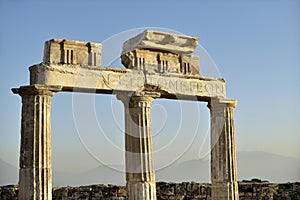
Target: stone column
point(35, 172)
point(223, 150)
point(140, 175)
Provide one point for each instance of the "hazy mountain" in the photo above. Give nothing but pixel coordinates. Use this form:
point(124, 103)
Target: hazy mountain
point(8, 173)
point(266, 166)
point(99, 175)
point(272, 167)
point(192, 170)
point(262, 165)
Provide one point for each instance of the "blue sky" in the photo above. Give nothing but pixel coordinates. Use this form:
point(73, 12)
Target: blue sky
point(255, 45)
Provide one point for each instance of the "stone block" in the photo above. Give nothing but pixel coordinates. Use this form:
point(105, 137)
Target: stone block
point(71, 52)
point(162, 41)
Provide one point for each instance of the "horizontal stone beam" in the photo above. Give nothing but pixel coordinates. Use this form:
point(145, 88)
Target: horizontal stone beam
point(113, 80)
point(162, 41)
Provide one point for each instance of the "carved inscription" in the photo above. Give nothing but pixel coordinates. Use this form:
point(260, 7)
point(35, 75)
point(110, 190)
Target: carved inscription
point(173, 85)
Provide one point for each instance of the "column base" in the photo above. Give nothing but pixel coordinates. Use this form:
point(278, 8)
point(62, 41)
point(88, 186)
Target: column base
point(141, 190)
point(225, 190)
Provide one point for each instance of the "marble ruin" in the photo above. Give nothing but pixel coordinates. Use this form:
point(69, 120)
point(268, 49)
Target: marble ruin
point(161, 53)
point(157, 65)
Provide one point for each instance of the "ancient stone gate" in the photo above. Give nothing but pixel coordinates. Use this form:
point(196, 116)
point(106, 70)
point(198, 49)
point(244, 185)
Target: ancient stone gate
point(158, 65)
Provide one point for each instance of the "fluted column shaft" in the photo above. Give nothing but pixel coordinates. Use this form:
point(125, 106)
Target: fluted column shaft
point(223, 150)
point(35, 172)
point(140, 175)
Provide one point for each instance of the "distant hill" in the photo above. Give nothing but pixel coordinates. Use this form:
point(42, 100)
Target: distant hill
point(8, 173)
point(266, 166)
point(101, 174)
point(272, 167)
point(192, 170)
point(262, 165)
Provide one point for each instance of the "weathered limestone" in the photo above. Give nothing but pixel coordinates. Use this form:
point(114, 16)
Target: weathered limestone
point(223, 152)
point(151, 39)
point(35, 174)
point(155, 61)
point(71, 52)
point(160, 52)
point(159, 65)
point(140, 175)
point(175, 71)
point(108, 80)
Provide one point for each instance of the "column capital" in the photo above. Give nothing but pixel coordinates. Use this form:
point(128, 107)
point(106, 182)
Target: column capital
point(37, 89)
point(138, 99)
point(222, 102)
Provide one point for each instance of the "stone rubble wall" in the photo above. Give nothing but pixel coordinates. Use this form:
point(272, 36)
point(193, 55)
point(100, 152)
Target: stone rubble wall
point(259, 190)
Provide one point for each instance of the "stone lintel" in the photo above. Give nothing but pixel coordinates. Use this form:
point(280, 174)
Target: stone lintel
point(37, 89)
point(162, 41)
point(112, 80)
